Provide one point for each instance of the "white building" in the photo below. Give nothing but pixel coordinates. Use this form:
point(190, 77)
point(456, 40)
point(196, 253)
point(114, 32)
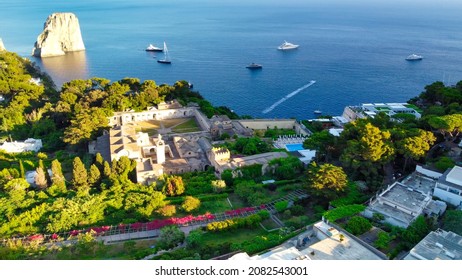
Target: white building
point(352, 113)
point(29, 144)
point(449, 186)
point(438, 245)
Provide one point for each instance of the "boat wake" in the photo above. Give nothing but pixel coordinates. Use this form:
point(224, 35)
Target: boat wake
point(293, 93)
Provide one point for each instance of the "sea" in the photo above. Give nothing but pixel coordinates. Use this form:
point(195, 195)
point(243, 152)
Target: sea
point(354, 51)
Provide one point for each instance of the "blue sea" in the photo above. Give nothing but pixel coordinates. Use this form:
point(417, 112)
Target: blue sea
point(354, 50)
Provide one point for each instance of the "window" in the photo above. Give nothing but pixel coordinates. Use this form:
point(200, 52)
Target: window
point(454, 191)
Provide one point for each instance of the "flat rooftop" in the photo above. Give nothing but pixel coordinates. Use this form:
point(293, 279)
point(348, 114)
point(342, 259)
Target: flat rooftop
point(438, 245)
point(327, 249)
point(419, 183)
point(406, 197)
point(455, 175)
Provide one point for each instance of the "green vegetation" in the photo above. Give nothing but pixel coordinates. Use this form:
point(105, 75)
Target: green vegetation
point(358, 225)
point(343, 212)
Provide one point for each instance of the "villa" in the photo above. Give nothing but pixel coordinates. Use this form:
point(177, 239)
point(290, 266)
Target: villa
point(402, 202)
point(352, 113)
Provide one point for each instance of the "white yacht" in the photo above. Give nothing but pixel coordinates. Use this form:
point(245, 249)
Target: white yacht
point(287, 46)
point(414, 57)
point(152, 48)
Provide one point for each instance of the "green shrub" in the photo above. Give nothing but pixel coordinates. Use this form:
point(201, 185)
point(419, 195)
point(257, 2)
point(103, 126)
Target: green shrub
point(343, 212)
point(281, 205)
point(358, 225)
point(190, 203)
point(167, 210)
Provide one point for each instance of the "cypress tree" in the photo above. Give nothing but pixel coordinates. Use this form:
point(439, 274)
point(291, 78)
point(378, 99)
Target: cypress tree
point(57, 177)
point(79, 177)
point(99, 161)
point(107, 169)
point(94, 176)
point(40, 179)
point(22, 173)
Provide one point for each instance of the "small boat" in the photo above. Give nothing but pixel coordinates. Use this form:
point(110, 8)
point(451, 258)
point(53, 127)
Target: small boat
point(317, 112)
point(254, 66)
point(166, 59)
point(152, 48)
point(287, 46)
point(414, 57)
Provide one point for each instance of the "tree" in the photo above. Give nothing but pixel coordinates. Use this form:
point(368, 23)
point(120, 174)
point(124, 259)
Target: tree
point(367, 149)
point(195, 238)
point(57, 177)
point(40, 178)
point(99, 161)
point(122, 167)
point(449, 125)
point(453, 221)
point(21, 169)
point(107, 169)
point(94, 176)
point(415, 232)
point(173, 186)
point(85, 125)
point(358, 225)
point(79, 177)
point(218, 185)
point(190, 203)
point(383, 240)
point(417, 146)
point(323, 142)
point(167, 210)
point(326, 180)
point(170, 237)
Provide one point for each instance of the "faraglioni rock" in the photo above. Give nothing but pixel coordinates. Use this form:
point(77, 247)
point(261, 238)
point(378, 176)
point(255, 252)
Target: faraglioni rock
point(61, 34)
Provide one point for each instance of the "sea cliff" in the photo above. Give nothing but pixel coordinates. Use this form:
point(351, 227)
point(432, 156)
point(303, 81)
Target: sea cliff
point(61, 34)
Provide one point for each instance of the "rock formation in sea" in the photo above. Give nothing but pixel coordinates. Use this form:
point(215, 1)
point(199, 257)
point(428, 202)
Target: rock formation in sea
point(61, 34)
point(2, 47)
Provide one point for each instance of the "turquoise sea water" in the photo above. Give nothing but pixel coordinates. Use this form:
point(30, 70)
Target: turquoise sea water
point(355, 52)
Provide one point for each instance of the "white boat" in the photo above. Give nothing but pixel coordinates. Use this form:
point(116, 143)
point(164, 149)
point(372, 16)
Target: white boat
point(414, 57)
point(166, 59)
point(287, 46)
point(254, 66)
point(152, 48)
point(318, 112)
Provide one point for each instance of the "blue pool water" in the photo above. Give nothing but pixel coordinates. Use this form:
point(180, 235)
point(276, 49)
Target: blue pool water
point(294, 147)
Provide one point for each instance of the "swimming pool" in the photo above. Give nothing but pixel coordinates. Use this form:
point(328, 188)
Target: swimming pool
point(294, 147)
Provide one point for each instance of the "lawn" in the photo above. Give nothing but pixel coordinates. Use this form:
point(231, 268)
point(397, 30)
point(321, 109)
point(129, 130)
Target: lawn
point(214, 206)
point(233, 236)
point(189, 125)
